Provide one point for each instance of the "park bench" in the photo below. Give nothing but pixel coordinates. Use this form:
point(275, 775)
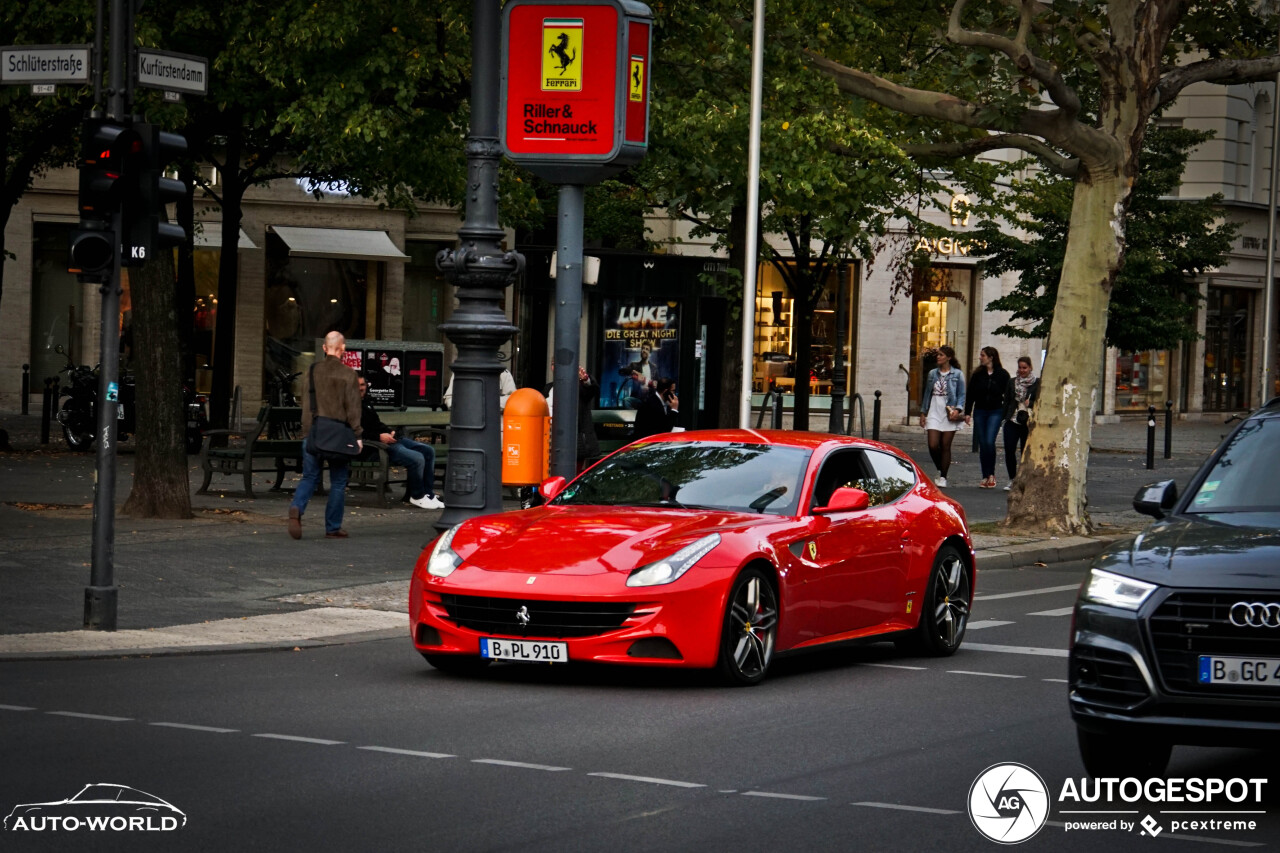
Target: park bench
point(275, 436)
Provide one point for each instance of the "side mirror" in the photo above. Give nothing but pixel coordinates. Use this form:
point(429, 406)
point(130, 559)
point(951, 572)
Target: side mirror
point(1156, 499)
point(845, 500)
point(551, 487)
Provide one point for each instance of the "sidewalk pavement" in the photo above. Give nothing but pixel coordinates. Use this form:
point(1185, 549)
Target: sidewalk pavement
point(231, 579)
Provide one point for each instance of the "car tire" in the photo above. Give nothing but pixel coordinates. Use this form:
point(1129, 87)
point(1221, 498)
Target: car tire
point(749, 630)
point(1116, 756)
point(947, 603)
point(457, 664)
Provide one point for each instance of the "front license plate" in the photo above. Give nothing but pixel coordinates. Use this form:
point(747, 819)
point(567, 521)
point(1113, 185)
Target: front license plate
point(1246, 672)
point(524, 650)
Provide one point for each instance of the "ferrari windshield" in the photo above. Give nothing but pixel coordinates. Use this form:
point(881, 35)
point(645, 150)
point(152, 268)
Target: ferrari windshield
point(1246, 477)
point(759, 478)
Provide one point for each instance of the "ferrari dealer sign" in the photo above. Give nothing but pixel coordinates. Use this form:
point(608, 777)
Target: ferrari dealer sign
point(575, 86)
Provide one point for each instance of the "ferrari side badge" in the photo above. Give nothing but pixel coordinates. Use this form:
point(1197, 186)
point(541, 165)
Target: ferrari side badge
point(813, 550)
point(908, 605)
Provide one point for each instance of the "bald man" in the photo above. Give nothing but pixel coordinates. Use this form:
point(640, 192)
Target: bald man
point(337, 396)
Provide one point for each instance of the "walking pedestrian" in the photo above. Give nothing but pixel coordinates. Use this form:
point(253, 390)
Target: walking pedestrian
point(943, 413)
point(985, 408)
point(588, 444)
point(1019, 397)
point(659, 411)
point(417, 459)
point(335, 390)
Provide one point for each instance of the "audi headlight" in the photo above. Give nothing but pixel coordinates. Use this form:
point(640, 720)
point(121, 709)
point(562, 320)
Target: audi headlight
point(444, 559)
point(1117, 590)
point(666, 571)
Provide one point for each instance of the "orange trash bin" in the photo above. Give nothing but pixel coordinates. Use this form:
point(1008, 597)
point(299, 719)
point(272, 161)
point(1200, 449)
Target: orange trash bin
point(525, 439)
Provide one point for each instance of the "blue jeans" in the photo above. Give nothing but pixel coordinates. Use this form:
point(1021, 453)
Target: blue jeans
point(986, 426)
point(339, 473)
point(419, 461)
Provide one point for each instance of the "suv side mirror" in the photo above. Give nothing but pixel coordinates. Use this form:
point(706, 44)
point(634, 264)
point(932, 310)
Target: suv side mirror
point(845, 499)
point(1156, 499)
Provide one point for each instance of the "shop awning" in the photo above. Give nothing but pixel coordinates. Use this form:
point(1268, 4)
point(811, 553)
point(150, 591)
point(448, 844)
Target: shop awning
point(209, 236)
point(339, 243)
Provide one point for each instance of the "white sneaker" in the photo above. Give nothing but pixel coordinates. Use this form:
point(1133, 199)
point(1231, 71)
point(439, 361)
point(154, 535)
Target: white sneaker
point(941, 482)
point(427, 502)
point(1008, 487)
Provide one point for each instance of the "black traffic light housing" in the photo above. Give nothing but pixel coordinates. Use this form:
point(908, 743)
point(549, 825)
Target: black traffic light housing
point(110, 162)
point(147, 226)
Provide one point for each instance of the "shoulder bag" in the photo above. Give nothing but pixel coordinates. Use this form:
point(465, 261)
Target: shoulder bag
point(329, 438)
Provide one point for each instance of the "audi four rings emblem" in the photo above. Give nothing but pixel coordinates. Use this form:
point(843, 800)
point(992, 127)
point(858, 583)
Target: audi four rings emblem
point(1255, 614)
point(522, 615)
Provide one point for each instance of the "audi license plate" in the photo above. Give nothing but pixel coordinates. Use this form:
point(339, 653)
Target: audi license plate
point(524, 650)
point(1244, 672)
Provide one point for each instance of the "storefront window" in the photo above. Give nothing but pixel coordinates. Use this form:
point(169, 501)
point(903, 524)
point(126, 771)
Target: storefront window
point(1228, 319)
point(57, 314)
point(428, 299)
point(940, 315)
point(775, 338)
point(1142, 380)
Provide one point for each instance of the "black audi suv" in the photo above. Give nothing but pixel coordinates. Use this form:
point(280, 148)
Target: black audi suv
point(1176, 634)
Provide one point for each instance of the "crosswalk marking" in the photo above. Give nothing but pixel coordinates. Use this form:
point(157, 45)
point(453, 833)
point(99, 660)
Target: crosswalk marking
point(1023, 592)
point(987, 623)
point(1059, 611)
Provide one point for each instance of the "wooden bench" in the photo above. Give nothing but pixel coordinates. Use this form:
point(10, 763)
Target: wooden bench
point(275, 436)
point(376, 472)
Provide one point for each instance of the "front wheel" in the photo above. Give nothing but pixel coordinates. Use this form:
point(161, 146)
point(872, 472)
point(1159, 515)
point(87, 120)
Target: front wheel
point(946, 607)
point(1112, 755)
point(750, 629)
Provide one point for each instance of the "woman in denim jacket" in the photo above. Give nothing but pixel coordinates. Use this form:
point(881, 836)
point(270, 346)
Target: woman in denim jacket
point(944, 390)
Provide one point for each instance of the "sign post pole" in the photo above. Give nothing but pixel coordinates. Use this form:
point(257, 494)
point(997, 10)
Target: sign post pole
point(564, 420)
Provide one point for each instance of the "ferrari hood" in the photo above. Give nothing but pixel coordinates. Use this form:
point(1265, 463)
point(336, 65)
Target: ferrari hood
point(1203, 551)
point(586, 540)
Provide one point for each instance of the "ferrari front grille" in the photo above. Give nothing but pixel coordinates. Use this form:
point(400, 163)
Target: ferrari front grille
point(522, 617)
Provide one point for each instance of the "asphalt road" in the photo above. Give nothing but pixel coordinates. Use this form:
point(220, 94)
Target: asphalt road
point(364, 747)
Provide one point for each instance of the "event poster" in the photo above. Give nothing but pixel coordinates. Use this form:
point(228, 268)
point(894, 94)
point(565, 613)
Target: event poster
point(641, 337)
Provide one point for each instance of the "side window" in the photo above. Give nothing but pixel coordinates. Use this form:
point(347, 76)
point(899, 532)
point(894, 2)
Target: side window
point(894, 477)
point(841, 468)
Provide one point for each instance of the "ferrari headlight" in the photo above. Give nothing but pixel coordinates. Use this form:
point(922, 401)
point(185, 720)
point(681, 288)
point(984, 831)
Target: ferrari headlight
point(1117, 590)
point(444, 559)
point(666, 571)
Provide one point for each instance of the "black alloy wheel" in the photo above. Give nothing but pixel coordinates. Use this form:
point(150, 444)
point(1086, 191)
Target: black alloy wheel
point(947, 602)
point(750, 629)
point(1115, 756)
point(457, 664)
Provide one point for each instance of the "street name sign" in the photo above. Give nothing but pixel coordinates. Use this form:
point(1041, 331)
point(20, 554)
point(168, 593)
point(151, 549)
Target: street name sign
point(575, 86)
point(173, 72)
point(44, 64)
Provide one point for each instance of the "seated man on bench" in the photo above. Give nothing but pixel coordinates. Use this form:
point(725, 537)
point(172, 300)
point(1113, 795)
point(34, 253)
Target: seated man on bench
point(418, 459)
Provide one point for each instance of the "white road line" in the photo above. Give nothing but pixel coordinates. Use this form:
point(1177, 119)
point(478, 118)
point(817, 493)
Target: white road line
point(991, 674)
point(986, 623)
point(1023, 592)
point(1016, 650)
point(15, 708)
point(90, 716)
point(1060, 611)
point(906, 808)
point(195, 728)
point(897, 666)
point(782, 796)
point(299, 739)
point(649, 779)
point(413, 752)
point(1056, 680)
point(522, 764)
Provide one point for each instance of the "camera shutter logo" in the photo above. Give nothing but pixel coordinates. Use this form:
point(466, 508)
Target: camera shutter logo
point(1008, 803)
point(1245, 614)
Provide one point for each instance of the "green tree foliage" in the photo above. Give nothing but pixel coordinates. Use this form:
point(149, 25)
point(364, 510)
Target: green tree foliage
point(1169, 242)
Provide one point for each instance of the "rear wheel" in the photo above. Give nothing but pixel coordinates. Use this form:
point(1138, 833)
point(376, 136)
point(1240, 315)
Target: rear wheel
point(457, 664)
point(946, 607)
point(750, 629)
point(1116, 756)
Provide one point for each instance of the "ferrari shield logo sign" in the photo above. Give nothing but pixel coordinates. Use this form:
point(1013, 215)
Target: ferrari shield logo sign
point(562, 54)
point(813, 550)
point(636, 81)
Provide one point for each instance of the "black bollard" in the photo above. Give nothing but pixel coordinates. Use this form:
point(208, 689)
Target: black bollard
point(1168, 429)
point(46, 407)
point(777, 410)
point(26, 388)
point(875, 418)
point(1151, 437)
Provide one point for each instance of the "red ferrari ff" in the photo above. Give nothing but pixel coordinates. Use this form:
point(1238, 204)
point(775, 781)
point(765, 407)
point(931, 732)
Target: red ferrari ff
point(703, 549)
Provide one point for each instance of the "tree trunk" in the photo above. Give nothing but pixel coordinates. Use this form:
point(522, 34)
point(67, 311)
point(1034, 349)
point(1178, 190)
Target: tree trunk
point(185, 287)
point(730, 414)
point(224, 343)
point(802, 346)
point(1049, 492)
point(160, 485)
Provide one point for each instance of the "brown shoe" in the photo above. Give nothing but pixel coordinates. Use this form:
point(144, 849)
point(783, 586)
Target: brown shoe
point(295, 522)
point(337, 534)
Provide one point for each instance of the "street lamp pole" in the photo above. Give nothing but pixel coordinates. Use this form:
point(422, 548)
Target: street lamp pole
point(481, 271)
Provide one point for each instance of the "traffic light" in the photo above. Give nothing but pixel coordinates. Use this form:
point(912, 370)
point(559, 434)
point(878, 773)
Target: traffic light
point(147, 226)
point(110, 158)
